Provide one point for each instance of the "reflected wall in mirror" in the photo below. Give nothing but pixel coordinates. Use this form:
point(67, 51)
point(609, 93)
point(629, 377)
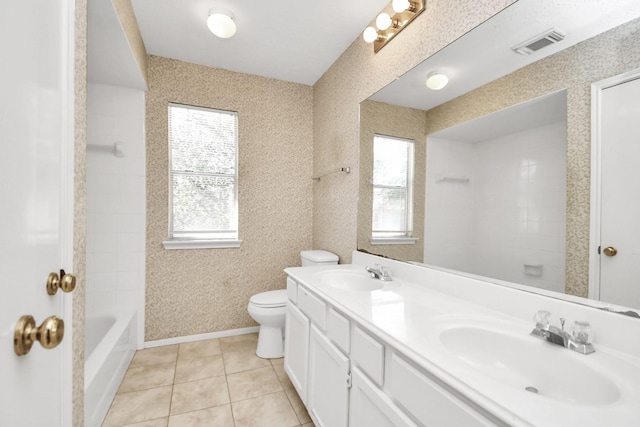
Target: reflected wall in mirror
point(559, 258)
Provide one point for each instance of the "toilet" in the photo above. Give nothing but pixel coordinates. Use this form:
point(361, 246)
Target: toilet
point(269, 309)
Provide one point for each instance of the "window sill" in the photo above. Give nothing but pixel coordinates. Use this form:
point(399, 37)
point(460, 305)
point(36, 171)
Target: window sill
point(393, 240)
point(201, 244)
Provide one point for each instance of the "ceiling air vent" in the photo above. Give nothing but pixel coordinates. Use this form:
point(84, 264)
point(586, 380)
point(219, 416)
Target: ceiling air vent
point(538, 42)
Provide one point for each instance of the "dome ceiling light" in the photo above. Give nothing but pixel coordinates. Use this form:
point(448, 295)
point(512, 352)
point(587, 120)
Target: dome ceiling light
point(221, 24)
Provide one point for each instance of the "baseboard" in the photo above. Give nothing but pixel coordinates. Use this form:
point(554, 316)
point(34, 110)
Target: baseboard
point(200, 337)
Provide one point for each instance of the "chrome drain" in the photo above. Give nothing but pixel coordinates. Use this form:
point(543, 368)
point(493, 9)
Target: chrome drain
point(531, 389)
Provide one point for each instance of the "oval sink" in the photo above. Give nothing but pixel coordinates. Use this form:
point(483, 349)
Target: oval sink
point(349, 280)
point(527, 363)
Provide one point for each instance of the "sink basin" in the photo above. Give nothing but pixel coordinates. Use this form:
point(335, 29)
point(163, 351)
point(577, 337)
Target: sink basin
point(349, 280)
point(530, 364)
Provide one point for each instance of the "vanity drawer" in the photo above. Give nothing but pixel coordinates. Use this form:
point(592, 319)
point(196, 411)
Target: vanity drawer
point(313, 307)
point(368, 354)
point(427, 401)
point(292, 290)
point(338, 330)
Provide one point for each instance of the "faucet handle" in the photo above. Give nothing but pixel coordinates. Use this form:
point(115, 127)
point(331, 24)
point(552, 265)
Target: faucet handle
point(385, 271)
point(581, 332)
point(542, 317)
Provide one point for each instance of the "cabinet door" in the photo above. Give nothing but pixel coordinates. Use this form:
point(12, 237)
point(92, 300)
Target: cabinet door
point(328, 398)
point(296, 349)
point(370, 407)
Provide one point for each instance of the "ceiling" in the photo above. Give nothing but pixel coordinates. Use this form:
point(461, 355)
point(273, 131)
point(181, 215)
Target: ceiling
point(485, 54)
point(282, 39)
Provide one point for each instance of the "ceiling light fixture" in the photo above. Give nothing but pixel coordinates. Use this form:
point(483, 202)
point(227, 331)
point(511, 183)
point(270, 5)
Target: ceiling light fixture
point(436, 80)
point(221, 24)
point(388, 26)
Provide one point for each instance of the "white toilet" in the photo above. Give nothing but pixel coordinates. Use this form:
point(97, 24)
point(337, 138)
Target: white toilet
point(269, 309)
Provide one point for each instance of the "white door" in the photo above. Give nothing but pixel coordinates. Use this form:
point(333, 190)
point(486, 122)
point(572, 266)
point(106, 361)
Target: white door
point(619, 257)
point(36, 133)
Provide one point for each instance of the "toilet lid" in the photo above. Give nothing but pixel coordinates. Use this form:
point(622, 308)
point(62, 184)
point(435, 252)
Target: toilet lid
point(270, 298)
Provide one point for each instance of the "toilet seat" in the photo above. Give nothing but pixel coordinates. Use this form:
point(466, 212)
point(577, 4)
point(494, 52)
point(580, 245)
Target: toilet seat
point(270, 299)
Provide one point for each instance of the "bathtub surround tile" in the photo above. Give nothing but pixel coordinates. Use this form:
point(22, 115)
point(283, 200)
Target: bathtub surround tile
point(155, 356)
point(199, 394)
point(139, 406)
point(271, 410)
point(218, 416)
point(256, 382)
point(298, 406)
point(198, 369)
point(198, 349)
point(146, 377)
point(237, 361)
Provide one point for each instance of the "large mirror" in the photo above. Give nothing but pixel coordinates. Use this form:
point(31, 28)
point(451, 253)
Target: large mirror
point(497, 179)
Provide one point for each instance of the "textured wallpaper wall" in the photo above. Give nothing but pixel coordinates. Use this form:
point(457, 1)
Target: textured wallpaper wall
point(573, 69)
point(387, 119)
point(355, 76)
point(205, 290)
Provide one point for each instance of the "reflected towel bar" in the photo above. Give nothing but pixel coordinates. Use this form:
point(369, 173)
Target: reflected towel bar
point(345, 169)
point(115, 149)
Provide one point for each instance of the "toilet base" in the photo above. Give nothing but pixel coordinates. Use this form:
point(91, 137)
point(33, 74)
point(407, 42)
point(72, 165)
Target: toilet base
point(270, 342)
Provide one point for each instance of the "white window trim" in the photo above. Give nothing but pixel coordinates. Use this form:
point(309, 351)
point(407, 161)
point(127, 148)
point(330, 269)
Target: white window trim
point(172, 243)
point(393, 240)
point(201, 244)
point(404, 239)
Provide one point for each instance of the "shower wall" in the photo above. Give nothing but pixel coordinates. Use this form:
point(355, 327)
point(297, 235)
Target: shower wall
point(508, 220)
point(115, 201)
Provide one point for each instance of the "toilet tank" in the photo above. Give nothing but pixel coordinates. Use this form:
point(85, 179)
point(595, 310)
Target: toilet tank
point(318, 258)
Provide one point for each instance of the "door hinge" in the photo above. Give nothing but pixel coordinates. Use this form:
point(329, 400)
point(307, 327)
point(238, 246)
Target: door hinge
point(599, 247)
point(349, 380)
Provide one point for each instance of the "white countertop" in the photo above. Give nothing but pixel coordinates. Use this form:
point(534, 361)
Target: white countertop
point(411, 318)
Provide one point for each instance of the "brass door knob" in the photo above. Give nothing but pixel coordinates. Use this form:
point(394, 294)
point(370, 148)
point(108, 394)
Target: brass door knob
point(67, 283)
point(610, 251)
point(49, 334)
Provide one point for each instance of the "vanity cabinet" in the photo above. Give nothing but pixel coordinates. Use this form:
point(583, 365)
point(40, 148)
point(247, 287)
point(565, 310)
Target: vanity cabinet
point(348, 377)
point(327, 391)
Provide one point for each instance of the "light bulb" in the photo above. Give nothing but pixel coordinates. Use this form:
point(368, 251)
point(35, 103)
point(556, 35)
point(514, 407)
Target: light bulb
point(400, 5)
point(383, 21)
point(221, 24)
point(370, 34)
point(436, 81)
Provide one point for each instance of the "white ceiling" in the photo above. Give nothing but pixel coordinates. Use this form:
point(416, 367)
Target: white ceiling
point(484, 54)
point(289, 40)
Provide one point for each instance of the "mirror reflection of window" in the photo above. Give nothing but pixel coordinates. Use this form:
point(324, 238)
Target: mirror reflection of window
point(392, 187)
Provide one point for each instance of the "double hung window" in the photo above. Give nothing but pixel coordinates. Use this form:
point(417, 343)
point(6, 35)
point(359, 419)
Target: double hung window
point(392, 187)
point(203, 177)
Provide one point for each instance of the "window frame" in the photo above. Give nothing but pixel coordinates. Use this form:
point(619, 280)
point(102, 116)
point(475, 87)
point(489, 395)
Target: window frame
point(385, 237)
point(190, 242)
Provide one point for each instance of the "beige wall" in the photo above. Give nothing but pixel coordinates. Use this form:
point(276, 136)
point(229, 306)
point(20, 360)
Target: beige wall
point(129, 23)
point(205, 290)
point(355, 76)
point(80, 203)
point(573, 69)
point(387, 119)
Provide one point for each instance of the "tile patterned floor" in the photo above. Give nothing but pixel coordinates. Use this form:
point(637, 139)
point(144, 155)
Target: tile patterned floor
point(217, 383)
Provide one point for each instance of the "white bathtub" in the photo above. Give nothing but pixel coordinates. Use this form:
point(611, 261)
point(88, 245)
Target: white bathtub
point(110, 343)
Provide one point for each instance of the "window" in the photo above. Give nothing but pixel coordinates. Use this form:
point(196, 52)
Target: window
point(392, 189)
point(203, 163)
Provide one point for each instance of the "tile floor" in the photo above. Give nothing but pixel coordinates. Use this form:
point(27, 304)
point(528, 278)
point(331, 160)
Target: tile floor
point(217, 383)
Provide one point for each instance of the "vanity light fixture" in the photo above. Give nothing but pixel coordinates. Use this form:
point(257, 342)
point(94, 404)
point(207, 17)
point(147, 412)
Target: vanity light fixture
point(386, 26)
point(221, 24)
point(436, 80)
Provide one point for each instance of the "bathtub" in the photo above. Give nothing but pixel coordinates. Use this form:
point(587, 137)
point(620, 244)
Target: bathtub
point(110, 343)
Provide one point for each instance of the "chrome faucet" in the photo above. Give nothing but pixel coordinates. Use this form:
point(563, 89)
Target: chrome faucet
point(578, 340)
point(379, 272)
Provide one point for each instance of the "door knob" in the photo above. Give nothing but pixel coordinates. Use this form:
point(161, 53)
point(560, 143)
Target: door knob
point(610, 251)
point(67, 283)
point(49, 334)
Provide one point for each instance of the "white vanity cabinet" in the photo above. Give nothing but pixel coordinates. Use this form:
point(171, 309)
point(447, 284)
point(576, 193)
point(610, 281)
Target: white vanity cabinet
point(348, 377)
